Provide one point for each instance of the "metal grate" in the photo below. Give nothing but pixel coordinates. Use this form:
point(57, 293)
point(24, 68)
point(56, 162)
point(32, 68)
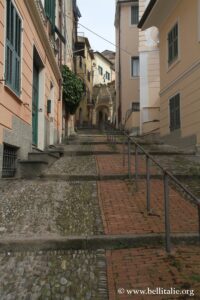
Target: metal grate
point(9, 161)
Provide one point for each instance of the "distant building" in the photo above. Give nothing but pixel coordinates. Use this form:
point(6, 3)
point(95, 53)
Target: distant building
point(110, 55)
point(127, 65)
point(103, 69)
point(137, 70)
point(179, 36)
point(149, 77)
point(71, 17)
point(84, 70)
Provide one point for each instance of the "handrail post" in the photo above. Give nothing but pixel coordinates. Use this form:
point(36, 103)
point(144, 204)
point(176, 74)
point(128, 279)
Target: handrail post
point(199, 219)
point(136, 167)
point(167, 213)
point(124, 146)
point(129, 158)
point(148, 184)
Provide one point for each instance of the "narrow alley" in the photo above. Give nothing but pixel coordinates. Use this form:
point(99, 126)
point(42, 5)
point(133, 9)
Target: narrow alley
point(81, 231)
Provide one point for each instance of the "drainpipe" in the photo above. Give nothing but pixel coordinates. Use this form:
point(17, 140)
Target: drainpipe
point(120, 79)
point(65, 33)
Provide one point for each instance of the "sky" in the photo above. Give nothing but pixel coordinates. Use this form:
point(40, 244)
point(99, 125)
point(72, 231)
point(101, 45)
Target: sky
point(98, 16)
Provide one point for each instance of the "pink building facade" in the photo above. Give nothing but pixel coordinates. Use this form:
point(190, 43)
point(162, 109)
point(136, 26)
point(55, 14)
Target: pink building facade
point(30, 79)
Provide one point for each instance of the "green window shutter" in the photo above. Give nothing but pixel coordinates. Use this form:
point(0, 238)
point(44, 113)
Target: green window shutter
point(50, 10)
point(13, 48)
point(173, 44)
point(177, 111)
point(171, 108)
point(174, 107)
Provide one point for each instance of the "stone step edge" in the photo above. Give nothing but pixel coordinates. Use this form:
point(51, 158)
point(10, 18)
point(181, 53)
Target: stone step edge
point(88, 153)
point(110, 177)
point(78, 142)
point(106, 242)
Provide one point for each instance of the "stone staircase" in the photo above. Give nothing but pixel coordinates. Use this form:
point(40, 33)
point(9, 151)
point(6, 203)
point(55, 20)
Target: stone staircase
point(39, 161)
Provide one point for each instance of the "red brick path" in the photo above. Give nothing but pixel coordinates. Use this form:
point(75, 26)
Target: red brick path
point(113, 165)
point(150, 267)
point(124, 210)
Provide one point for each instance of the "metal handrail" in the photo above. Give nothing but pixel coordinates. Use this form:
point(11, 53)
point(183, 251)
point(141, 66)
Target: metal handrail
point(167, 175)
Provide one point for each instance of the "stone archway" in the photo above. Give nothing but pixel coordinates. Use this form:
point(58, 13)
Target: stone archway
point(102, 113)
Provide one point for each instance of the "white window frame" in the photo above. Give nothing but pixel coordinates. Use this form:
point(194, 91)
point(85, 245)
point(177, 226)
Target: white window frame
point(136, 58)
point(136, 4)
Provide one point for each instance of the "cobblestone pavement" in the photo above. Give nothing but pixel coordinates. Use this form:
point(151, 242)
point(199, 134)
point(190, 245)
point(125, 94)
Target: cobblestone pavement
point(53, 275)
point(143, 268)
point(53, 208)
point(36, 208)
point(74, 148)
point(75, 165)
point(124, 209)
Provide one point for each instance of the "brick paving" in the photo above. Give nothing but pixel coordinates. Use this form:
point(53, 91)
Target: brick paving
point(116, 165)
point(143, 268)
point(111, 165)
point(124, 209)
point(124, 212)
point(105, 147)
point(62, 208)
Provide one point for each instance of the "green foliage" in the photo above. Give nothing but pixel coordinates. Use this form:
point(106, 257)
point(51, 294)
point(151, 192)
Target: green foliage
point(73, 89)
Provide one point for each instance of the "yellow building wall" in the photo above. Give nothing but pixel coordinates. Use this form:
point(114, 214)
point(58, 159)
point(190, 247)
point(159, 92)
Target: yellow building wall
point(127, 89)
point(184, 75)
point(87, 65)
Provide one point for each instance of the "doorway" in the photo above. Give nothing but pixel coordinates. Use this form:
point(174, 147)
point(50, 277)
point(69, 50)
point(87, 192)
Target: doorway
point(35, 100)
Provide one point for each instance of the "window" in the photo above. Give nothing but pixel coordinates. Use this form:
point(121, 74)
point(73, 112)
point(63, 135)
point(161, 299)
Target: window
point(173, 44)
point(107, 75)
point(100, 69)
point(9, 161)
point(50, 10)
point(80, 62)
point(135, 14)
point(174, 107)
point(135, 106)
point(13, 48)
point(88, 76)
point(135, 66)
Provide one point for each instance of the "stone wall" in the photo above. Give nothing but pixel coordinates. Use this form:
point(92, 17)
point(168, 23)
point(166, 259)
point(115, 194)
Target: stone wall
point(175, 138)
point(1, 159)
point(20, 136)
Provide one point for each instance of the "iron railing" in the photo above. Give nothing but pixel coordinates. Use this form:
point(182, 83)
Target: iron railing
point(9, 161)
point(165, 175)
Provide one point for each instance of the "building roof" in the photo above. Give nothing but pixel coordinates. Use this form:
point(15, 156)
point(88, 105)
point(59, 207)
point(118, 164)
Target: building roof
point(102, 56)
point(146, 13)
point(108, 53)
point(76, 9)
point(118, 2)
point(82, 39)
point(156, 12)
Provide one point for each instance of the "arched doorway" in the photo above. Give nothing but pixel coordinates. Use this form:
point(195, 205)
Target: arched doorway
point(102, 116)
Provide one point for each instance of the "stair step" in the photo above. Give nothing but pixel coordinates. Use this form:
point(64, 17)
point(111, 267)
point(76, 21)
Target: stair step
point(31, 168)
point(43, 156)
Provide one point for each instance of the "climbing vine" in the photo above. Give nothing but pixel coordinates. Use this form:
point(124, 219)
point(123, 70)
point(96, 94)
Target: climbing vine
point(73, 89)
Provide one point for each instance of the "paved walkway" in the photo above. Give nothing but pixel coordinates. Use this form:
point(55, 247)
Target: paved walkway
point(53, 207)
